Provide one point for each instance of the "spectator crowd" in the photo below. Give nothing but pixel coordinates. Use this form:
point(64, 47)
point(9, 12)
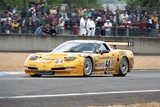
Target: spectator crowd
point(79, 21)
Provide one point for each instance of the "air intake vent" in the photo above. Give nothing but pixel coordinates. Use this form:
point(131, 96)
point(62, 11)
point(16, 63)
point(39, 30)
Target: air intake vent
point(33, 68)
point(58, 68)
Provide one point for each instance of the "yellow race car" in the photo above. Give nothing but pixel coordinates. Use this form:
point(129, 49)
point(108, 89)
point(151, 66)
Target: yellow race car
point(80, 58)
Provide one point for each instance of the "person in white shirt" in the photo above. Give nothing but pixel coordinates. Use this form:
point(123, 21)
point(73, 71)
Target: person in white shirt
point(90, 27)
point(83, 30)
point(61, 28)
point(123, 16)
point(107, 26)
point(156, 30)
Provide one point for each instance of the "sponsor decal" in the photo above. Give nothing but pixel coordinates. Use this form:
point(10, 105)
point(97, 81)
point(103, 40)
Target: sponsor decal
point(104, 57)
point(101, 64)
point(58, 61)
point(45, 62)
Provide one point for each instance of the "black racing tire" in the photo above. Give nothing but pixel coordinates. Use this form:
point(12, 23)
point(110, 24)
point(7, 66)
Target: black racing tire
point(36, 75)
point(123, 67)
point(88, 67)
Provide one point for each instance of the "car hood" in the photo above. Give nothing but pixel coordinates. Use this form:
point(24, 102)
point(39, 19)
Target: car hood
point(54, 55)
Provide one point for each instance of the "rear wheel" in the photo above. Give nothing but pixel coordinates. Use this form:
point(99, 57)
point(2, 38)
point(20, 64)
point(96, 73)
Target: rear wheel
point(88, 67)
point(123, 67)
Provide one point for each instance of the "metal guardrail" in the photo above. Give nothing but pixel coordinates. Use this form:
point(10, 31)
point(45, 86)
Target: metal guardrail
point(114, 32)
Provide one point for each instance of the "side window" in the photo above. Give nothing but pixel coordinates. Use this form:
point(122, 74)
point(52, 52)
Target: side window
point(90, 47)
point(103, 47)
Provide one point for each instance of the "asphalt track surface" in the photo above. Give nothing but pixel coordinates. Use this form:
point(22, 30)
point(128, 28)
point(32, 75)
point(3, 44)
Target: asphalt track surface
point(19, 90)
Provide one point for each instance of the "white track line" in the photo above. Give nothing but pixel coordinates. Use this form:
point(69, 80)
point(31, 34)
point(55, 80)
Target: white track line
point(14, 73)
point(80, 94)
point(10, 73)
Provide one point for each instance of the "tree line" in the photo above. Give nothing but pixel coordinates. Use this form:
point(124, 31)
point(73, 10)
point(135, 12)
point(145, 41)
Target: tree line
point(150, 4)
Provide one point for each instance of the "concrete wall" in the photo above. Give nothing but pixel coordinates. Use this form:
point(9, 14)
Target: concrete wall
point(16, 42)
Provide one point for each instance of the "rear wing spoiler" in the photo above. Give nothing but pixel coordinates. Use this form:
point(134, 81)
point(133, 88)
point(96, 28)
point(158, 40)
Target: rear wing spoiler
point(114, 44)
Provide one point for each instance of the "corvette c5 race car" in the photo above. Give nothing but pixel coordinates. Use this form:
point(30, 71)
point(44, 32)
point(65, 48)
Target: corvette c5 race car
point(80, 58)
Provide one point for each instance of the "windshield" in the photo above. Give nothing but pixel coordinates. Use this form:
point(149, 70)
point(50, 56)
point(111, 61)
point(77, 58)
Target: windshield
point(76, 47)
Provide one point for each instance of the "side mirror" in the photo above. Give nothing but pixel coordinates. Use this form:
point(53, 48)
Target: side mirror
point(102, 51)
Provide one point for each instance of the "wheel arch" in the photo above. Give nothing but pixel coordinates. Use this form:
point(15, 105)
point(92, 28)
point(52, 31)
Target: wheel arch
point(90, 58)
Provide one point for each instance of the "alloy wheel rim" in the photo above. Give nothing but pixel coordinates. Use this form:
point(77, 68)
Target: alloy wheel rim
point(124, 66)
point(88, 67)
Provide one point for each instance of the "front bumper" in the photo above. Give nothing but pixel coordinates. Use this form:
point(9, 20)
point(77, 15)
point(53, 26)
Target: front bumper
point(49, 68)
point(76, 71)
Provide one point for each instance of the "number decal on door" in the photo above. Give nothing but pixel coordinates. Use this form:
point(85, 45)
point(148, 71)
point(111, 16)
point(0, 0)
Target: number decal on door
point(108, 63)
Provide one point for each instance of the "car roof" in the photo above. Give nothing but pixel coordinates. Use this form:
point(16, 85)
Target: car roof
point(87, 41)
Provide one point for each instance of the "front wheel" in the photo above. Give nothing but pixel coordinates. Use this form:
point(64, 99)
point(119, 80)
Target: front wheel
point(123, 67)
point(88, 67)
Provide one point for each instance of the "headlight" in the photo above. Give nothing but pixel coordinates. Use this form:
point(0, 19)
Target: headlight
point(70, 58)
point(33, 58)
